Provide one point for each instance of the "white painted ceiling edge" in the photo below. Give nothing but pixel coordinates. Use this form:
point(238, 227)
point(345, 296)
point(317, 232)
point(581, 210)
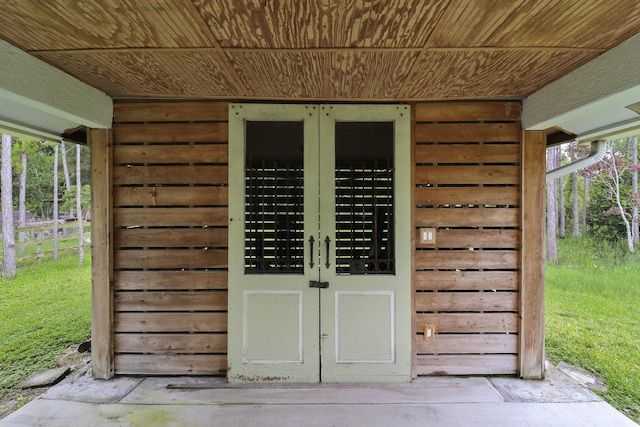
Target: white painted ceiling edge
point(591, 101)
point(38, 100)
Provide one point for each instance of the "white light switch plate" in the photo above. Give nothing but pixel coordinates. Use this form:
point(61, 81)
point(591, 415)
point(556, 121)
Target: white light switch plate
point(427, 236)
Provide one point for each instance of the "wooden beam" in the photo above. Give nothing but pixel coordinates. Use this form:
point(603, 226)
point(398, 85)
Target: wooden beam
point(531, 363)
point(100, 142)
point(557, 136)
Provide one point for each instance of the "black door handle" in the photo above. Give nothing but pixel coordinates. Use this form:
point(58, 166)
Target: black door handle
point(311, 241)
point(327, 240)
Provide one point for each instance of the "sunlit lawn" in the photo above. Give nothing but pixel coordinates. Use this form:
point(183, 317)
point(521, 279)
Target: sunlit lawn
point(593, 317)
point(45, 310)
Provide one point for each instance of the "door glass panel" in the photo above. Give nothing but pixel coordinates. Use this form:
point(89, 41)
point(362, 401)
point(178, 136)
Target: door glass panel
point(274, 197)
point(364, 198)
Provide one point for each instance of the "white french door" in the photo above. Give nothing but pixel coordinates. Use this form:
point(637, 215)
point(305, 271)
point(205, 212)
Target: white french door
point(319, 243)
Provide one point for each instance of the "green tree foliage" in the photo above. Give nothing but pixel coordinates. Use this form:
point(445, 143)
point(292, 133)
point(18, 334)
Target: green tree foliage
point(570, 154)
point(69, 198)
point(567, 195)
point(39, 191)
point(603, 223)
point(611, 178)
point(20, 145)
point(39, 195)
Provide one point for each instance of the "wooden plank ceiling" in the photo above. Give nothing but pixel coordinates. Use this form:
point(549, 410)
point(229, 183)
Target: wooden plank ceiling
point(318, 49)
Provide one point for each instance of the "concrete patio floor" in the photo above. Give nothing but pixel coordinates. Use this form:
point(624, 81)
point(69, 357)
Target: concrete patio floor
point(204, 401)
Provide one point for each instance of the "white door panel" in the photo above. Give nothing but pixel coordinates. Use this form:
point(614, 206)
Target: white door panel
point(369, 337)
point(263, 327)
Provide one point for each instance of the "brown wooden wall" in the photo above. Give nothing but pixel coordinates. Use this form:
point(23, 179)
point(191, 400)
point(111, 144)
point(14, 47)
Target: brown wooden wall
point(170, 237)
point(467, 187)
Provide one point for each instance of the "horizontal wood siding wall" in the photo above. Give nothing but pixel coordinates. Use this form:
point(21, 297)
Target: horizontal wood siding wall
point(170, 216)
point(467, 187)
point(170, 237)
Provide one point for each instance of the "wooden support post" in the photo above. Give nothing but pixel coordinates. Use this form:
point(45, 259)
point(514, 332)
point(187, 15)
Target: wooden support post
point(532, 283)
point(100, 143)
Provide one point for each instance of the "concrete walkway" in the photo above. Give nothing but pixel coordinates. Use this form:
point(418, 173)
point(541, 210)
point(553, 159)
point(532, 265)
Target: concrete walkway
point(435, 401)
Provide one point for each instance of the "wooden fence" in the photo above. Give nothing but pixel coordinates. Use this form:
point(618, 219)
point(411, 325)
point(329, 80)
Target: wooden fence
point(35, 241)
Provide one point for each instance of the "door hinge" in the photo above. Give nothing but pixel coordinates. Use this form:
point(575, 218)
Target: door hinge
point(317, 284)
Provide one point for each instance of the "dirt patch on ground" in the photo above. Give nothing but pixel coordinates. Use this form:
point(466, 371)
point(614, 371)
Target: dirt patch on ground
point(71, 358)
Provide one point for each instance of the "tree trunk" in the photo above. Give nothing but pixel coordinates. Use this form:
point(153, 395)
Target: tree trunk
point(575, 211)
point(552, 210)
point(22, 221)
point(8, 238)
point(79, 207)
point(575, 206)
point(615, 176)
point(585, 202)
point(562, 215)
point(635, 228)
point(65, 168)
point(627, 225)
point(55, 201)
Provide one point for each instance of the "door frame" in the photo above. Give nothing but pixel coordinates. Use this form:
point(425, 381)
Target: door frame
point(263, 370)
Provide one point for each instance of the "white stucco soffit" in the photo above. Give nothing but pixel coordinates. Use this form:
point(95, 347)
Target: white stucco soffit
point(39, 100)
point(591, 101)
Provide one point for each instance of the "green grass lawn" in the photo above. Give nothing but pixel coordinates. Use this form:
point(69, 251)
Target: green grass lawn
point(593, 317)
point(44, 311)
